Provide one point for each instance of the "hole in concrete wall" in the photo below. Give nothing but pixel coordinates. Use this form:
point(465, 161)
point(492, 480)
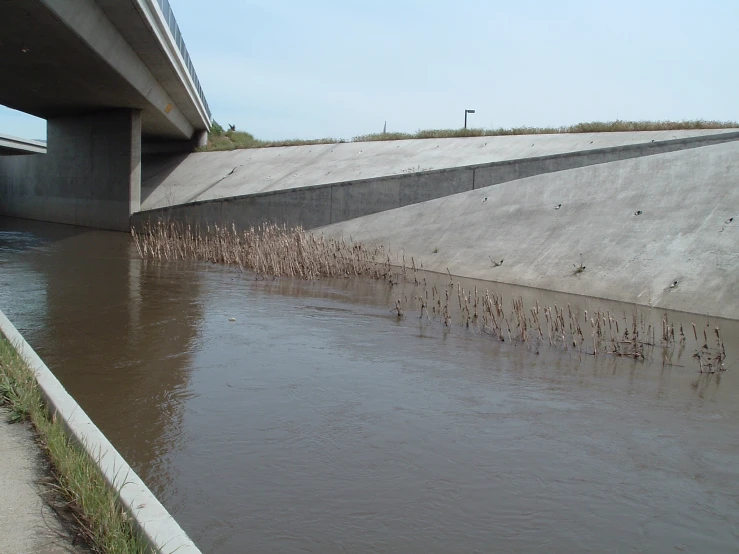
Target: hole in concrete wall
point(638, 212)
point(673, 284)
point(729, 220)
point(558, 206)
point(485, 199)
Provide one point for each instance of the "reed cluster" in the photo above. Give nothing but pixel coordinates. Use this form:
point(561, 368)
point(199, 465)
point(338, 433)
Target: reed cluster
point(279, 251)
point(267, 250)
point(596, 333)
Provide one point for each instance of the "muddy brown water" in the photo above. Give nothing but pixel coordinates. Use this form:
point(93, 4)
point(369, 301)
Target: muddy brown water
point(317, 422)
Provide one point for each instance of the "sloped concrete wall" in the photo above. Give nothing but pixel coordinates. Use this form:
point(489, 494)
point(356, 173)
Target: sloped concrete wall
point(312, 206)
point(202, 176)
point(90, 175)
point(637, 226)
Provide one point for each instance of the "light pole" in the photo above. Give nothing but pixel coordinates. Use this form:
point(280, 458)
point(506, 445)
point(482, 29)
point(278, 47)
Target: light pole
point(465, 116)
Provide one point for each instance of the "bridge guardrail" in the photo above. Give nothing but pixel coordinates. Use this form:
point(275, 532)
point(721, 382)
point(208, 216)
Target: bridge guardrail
point(179, 40)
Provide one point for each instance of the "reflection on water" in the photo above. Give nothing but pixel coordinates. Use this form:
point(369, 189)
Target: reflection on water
point(117, 338)
point(318, 422)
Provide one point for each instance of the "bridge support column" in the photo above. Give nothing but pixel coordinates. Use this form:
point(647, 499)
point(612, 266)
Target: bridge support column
point(90, 175)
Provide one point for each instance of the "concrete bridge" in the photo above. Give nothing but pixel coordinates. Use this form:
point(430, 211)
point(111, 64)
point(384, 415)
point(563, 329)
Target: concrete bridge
point(16, 146)
point(111, 77)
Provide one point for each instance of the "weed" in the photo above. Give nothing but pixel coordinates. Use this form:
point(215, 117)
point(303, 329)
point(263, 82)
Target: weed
point(233, 139)
point(579, 268)
point(280, 251)
point(216, 130)
point(101, 520)
point(495, 264)
point(268, 250)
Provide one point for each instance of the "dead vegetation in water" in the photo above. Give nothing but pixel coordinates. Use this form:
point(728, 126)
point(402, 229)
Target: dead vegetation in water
point(710, 360)
point(267, 250)
point(595, 333)
point(279, 251)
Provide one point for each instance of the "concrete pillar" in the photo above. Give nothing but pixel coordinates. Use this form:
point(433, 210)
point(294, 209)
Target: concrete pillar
point(134, 184)
point(200, 139)
point(90, 175)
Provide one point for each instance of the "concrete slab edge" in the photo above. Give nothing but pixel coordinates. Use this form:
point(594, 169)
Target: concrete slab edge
point(150, 517)
point(22, 146)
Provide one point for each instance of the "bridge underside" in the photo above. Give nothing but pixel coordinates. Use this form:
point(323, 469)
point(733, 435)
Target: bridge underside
point(107, 77)
point(54, 67)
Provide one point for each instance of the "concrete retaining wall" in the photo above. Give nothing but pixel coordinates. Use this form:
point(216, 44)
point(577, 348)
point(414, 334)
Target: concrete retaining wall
point(319, 205)
point(90, 175)
point(638, 226)
point(150, 517)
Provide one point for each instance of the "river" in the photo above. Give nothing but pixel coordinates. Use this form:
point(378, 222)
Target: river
point(319, 422)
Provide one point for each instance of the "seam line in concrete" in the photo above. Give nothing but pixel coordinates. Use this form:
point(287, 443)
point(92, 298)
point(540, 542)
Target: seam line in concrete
point(331, 206)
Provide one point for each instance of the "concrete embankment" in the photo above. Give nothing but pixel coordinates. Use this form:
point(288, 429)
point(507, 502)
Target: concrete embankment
point(659, 230)
point(322, 184)
point(148, 515)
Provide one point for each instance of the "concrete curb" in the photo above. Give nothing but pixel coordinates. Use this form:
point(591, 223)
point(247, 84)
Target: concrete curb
point(149, 516)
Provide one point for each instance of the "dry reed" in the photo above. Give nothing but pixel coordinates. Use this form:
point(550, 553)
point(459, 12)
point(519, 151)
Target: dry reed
point(270, 249)
point(273, 250)
point(601, 332)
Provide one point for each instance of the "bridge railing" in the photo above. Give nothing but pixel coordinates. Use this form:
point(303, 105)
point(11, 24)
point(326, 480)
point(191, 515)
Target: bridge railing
point(175, 29)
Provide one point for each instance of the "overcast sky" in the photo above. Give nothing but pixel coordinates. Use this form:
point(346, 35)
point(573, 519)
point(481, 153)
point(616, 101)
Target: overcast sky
point(340, 68)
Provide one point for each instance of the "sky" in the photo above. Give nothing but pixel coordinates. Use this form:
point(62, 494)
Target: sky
point(285, 69)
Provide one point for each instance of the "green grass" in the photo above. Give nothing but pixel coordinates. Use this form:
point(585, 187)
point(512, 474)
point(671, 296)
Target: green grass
point(102, 521)
point(233, 140)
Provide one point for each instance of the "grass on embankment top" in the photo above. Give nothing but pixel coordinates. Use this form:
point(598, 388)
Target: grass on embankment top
point(102, 521)
point(232, 140)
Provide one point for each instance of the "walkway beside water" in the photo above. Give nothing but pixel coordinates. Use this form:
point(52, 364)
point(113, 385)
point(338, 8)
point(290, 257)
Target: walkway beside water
point(28, 525)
